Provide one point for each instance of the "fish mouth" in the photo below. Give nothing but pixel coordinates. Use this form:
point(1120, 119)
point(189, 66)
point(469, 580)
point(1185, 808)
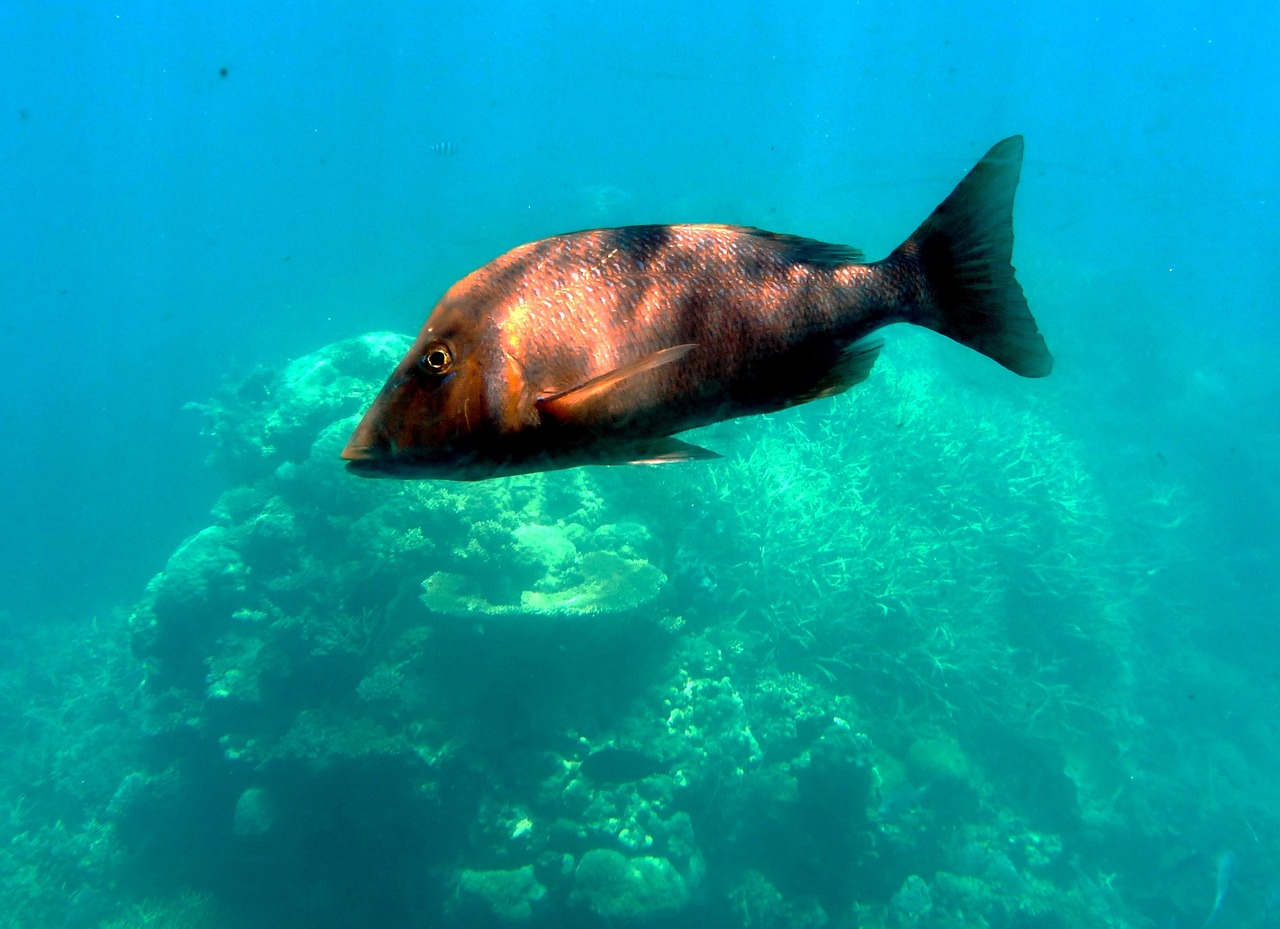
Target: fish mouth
point(371, 460)
point(367, 462)
point(371, 453)
point(375, 467)
point(354, 452)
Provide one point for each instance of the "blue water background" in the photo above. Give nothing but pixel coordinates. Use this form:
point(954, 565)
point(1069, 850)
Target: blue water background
point(190, 190)
point(165, 225)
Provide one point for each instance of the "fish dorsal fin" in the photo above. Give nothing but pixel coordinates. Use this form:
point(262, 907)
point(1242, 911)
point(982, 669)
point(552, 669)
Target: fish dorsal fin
point(568, 404)
point(807, 251)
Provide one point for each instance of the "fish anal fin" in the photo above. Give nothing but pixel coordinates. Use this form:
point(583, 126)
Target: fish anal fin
point(668, 450)
point(852, 367)
point(567, 405)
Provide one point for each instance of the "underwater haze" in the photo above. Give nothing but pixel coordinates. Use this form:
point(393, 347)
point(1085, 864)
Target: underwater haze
point(955, 648)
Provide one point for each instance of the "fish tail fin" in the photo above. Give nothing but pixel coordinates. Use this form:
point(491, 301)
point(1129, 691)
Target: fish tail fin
point(964, 251)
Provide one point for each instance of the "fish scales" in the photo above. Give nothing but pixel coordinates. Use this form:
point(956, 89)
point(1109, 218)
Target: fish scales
point(597, 347)
point(707, 285)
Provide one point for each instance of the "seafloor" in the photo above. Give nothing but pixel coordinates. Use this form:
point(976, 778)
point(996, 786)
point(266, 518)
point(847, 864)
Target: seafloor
point(889, 663)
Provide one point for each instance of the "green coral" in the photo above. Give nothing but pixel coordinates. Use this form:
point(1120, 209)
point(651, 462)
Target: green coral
point(271, 418)
point(509, 895)
point(937, 759)
point(610, 584)
point(564, 583)
point(614, 886)
point(861, 585)
point(190, 910)
point(205, 573)
point(906, 546)
point(549, 548)
point(757, 904)
point(321, 737)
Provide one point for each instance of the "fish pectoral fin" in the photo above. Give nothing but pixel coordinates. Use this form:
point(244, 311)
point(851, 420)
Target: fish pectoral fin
point(853, 367)
point(568, 404)
point(668, 450)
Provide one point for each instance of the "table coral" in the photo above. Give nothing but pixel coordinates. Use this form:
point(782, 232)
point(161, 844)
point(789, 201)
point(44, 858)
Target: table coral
point(567, 582)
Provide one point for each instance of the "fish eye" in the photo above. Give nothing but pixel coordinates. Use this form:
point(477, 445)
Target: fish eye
point(437, 359)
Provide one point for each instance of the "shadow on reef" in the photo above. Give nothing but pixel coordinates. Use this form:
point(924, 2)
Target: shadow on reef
point(875, 668)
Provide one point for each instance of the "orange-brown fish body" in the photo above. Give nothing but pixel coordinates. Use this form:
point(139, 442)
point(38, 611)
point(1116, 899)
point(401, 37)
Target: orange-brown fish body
point(597, 347)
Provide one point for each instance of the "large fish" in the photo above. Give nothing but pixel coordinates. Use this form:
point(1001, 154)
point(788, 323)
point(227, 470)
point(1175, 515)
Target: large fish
point(597, 347)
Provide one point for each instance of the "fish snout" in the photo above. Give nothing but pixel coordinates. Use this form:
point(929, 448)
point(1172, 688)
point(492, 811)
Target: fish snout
point(354, 452)
point(368, 443)
point(405, 432)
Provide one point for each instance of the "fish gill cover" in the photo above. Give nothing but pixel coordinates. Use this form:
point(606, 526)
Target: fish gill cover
point(620, 696)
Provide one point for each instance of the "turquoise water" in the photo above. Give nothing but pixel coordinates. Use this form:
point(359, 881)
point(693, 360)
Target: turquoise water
point(955, 648)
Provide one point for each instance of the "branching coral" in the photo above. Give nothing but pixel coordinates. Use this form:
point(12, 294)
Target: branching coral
point(908, 543)
point(905, 586)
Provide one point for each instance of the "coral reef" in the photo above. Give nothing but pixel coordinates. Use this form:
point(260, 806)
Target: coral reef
point(617, 887)
point(597, 579)
point(508, 895)
point(874, 668)
point(269, 418)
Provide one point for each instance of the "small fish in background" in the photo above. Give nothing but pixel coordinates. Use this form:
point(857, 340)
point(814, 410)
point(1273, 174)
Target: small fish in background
point(612, 765)
point(442, 148)
point(596, 347)
point(902, 800)
point(1226, 871)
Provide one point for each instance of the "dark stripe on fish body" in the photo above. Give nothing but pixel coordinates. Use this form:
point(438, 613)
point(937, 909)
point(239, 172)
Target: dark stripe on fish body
point(641, 243)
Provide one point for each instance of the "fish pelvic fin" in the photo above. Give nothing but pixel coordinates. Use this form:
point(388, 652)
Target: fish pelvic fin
point(964, 251)
point(568, 405)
